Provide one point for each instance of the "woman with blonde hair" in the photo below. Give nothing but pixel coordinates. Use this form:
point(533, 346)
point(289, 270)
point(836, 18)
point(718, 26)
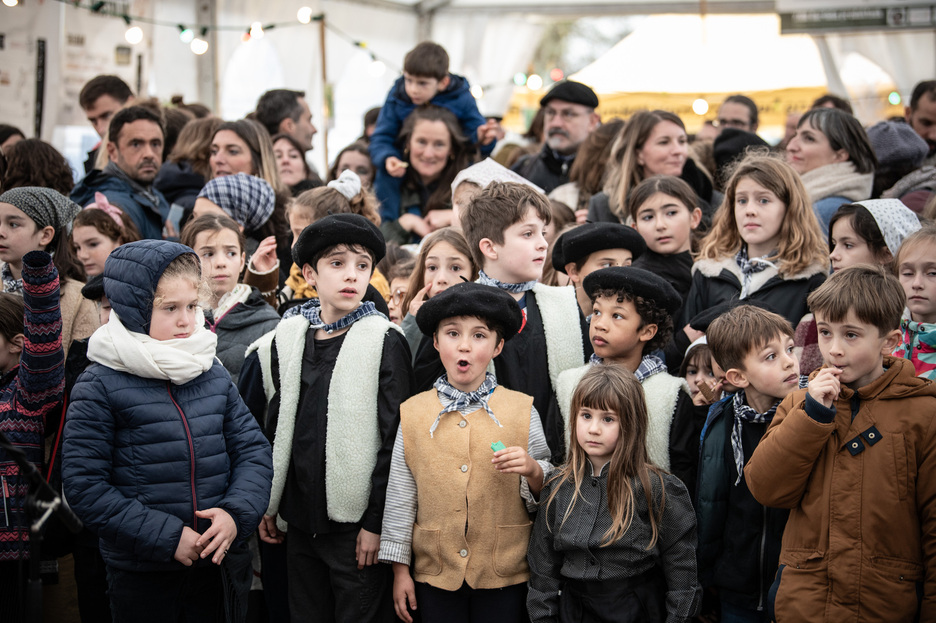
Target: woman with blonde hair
point(651, 143)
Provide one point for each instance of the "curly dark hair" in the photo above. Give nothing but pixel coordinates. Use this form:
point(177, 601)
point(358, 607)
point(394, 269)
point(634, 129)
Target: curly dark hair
point(649, 312)
point(33, 162)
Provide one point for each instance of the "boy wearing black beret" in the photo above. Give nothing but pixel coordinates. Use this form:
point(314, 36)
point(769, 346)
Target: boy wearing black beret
point(329, 380)
point(469, 453)
point(631, 319)
point(587, 248)
point(504, 226)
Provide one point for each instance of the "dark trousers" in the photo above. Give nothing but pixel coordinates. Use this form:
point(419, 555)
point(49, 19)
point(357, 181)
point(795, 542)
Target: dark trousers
point(472, 605)
point(13, 577)
point(189, 595)
point(325, 584)
point(91, 581)
point(275, 581)
point(633, 600)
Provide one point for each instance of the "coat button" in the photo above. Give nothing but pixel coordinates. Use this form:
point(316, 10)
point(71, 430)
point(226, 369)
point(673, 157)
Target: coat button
point(462, 424)
point(594, 482)
point(855, 445)
point(464, 468)
point(463, 553)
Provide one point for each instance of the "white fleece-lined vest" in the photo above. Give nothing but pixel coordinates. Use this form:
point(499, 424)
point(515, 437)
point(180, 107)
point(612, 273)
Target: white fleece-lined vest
point(661, 392)
point(559, 310)
point(352, 435)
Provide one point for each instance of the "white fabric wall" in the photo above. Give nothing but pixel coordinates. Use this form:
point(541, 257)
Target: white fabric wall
point(488, 50)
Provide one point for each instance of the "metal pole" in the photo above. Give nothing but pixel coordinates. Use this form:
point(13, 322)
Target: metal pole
point(325, 111)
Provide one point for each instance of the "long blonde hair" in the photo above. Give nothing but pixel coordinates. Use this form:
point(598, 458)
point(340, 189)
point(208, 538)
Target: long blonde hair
point(624, 172)
point(801, 243)
point(613, 388)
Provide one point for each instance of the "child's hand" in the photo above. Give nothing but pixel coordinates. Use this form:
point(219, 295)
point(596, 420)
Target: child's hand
point(269, 533)
point(489, 132)
point(825, 386)
point(516, 460)
point(368, 545)
point(419, 299)
point(692, 334)
point(219, 537)
point(395, 167)
point(707, 394)
point(437, 219)
point(187, 550)
point(414, 224)
point(581, 216)
point(264, 258)
point(404, 591)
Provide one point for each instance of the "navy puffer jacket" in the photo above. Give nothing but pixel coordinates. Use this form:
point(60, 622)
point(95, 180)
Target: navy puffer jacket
point(141, 455)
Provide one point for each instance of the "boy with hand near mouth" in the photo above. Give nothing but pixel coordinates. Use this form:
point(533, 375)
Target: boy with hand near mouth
point(463, 522)
point(504, 226)
point(739, 539)
point(328, 382)
point(631, 319)
point(854, 458)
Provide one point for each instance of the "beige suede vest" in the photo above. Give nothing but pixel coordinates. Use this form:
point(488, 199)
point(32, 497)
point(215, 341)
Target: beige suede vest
point(471, 523)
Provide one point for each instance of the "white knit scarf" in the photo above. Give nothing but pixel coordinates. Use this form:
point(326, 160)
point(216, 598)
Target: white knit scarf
point(178, 360)
point(838, 179)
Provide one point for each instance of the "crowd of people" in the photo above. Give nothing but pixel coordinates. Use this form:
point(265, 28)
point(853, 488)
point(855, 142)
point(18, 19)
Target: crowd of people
point(614, 373)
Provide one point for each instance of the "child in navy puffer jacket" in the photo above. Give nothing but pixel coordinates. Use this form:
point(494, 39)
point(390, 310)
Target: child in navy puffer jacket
point(161, 458)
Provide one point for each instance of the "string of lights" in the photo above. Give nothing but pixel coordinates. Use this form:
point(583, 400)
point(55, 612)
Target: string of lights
point(195, 35)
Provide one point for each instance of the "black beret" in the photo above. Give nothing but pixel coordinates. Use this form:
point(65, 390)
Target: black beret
point(338, 229)
point(471, 299)
point(731, 145)
point(579, 243)
point(569, 91)
point(94, 289)
point(635, 282)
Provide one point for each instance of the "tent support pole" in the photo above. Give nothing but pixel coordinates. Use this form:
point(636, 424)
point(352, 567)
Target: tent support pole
point(207, 64)
point(325, 104)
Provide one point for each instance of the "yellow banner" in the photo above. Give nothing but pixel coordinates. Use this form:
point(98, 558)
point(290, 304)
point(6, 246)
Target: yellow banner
point(773, 106)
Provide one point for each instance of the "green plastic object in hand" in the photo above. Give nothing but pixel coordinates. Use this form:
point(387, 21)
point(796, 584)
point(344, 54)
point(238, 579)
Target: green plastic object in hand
point(497, 446)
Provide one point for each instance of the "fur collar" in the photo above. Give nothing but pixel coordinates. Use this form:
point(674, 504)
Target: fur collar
point(713, 268)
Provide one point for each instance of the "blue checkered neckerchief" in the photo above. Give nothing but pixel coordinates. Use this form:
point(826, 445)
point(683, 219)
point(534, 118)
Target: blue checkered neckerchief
point(514, 288)
point(456, 400)
point(649, 366)
point(751, 266)
point(10, 284)
point(311, 309)
point(744, 413)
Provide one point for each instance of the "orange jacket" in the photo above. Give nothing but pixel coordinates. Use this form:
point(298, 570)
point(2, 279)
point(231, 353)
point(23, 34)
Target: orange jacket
point(861, 488)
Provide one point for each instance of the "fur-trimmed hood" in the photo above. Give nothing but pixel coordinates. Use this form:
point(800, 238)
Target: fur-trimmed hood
point(714, 268)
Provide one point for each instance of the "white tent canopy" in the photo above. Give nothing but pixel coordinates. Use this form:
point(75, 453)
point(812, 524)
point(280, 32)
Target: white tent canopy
point(487, 40)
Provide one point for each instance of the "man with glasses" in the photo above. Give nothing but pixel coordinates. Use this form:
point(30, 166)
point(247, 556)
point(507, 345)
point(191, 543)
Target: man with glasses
point(739, 112)
point(569, 117)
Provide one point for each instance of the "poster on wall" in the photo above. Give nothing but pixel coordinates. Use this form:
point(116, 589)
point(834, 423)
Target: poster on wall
point(95, 44)
point(17, 79)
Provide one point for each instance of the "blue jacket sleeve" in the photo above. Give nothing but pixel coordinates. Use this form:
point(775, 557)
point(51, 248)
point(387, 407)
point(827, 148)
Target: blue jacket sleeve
point(87, 456)
point(248, 493)
point(389, 122)
point(465, 107)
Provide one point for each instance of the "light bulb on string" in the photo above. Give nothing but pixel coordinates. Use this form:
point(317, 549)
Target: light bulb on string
point(199, 46)
point(134, 35)
point(304, 15)
point(11, 2)
point(256, 30)
point(186, 35)
point(534, 82)
point(377, 68)
point(477, 91)
point(700, 106)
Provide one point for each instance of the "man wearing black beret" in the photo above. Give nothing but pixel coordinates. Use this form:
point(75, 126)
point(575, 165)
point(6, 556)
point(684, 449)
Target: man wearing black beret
point(569, 109)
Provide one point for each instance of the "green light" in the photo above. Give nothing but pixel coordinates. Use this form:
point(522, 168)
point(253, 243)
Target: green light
point(894, 98)
point(520, 79)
